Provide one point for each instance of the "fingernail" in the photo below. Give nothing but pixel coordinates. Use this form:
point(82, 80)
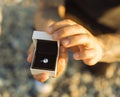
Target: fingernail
point(55, 36)
point(29, 58)
point(65, 42)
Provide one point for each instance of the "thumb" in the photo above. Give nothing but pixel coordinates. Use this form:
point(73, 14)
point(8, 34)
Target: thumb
point(62, 61)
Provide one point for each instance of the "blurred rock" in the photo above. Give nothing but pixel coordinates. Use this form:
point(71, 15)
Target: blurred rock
point(11, 2)
point(1, 18)
point(15, 77)
point(110, 70)
point(101, 84)
point(87, 78)
point(82, 90)
point(65, 95)
point(6, 94)
point(117, 81)
point(118, 72)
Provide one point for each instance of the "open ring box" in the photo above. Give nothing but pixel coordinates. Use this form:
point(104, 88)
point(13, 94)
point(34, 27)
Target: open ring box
point(46, 54)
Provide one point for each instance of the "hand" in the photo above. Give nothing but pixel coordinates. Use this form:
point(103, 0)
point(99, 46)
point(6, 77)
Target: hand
point(62, 62)
point(86, 47)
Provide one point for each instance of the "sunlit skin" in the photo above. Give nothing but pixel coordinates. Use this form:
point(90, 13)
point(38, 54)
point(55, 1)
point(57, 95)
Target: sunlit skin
point(71, 34)
point(85, 46)
point(75, 37)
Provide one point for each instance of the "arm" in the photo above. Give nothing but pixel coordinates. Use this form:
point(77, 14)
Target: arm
point(91, 49)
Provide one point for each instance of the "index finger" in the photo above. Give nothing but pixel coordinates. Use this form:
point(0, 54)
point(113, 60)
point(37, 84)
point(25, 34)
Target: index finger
point(59, 25)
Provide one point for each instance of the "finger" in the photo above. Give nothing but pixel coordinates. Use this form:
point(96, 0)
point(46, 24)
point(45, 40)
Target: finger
point(59, 25)
point(69, 31)
point(76, 40)
point(91, 61)
point(30, 57)
point(30, 53)
point(41, 77)
point(31, 48)
point(62, 61)
point(94, 60)
point(86, 54)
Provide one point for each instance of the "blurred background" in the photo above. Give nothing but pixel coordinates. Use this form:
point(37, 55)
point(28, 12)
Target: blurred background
point(16, 26)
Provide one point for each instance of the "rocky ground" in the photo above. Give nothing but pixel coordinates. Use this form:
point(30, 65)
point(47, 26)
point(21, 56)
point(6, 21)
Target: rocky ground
point(16, 21)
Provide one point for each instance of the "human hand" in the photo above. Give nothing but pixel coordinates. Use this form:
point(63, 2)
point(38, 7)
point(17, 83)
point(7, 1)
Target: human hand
point(72, 35)
point(62, 62)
